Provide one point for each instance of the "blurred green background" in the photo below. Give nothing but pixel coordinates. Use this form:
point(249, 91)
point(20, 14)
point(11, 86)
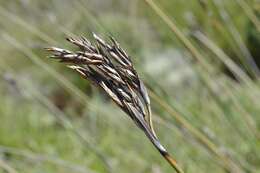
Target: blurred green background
point(200, 63)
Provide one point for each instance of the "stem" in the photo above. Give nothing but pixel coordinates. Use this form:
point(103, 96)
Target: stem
point(167, 156)
point(155, 141)
point(172, 162)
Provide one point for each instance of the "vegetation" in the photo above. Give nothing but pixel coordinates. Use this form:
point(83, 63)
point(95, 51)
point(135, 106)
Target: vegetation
point(197, 59)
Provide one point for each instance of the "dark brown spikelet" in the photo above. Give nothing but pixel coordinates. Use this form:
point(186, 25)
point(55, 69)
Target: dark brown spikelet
point(109, 67)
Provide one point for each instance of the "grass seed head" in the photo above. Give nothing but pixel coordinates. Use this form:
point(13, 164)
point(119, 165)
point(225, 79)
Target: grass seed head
point(109, 67)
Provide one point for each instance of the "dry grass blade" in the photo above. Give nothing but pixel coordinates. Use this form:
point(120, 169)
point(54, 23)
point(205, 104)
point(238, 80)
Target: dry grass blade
point(6, 167)
point(109, 67)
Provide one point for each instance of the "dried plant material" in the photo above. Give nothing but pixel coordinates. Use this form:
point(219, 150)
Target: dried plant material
point(109, 67)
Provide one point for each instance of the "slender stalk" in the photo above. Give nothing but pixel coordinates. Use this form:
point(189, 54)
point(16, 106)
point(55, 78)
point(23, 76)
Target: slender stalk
point(234, 68)
point(172, 162)
point(243, 52)
point(186, 42)
point(250, 13)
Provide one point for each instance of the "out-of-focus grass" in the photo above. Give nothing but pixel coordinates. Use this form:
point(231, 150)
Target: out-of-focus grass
point(53, 121)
